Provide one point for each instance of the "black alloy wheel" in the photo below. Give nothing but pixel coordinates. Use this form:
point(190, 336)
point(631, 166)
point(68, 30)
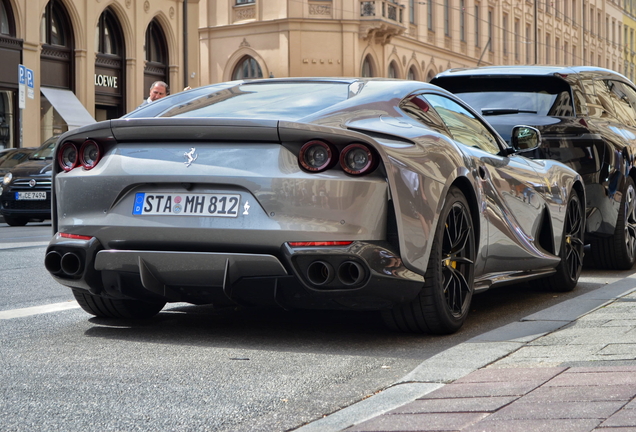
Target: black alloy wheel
point(444, 302)
point(571, 252)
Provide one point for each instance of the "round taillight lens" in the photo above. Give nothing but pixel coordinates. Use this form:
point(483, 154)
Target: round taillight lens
point(90, 154)
point(316, 156)
point(67, 156)
point(357, 159)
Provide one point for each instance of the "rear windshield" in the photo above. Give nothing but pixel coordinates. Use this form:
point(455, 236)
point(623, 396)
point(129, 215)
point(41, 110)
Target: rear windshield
point(546, 96)
point(283, 101)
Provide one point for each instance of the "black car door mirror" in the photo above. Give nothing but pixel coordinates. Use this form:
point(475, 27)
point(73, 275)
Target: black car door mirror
point(525, 138)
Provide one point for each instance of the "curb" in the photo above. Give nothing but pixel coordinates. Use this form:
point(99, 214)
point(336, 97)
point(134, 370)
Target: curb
point(474, 354)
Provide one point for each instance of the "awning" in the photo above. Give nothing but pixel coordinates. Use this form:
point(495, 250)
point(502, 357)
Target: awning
point(70, 108)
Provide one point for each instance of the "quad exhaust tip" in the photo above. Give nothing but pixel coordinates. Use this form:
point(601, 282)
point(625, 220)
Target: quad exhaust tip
point(321, 273)
point(69, 264)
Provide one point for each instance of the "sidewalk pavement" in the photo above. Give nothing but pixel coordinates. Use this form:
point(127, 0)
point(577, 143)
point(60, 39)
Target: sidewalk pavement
point(568, 368)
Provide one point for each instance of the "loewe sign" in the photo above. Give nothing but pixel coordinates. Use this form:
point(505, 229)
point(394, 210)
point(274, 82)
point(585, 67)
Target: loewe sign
point(106, 81)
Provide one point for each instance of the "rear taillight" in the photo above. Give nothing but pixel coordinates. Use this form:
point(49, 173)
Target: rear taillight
point(67, 156)
point(90, 154)
point(357, 159)
point(317, 156)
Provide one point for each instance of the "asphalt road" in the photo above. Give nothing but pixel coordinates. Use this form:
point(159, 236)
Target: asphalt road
point(194, 368)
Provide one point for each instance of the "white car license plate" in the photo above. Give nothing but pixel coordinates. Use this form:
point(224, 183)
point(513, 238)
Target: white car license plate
point(171, 204)
point(30, 196)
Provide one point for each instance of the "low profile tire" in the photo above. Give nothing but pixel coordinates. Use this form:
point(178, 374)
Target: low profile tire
point(444, 301)
point(618, 252)
point(571, 252)
point(15, 221)
point(116, 308)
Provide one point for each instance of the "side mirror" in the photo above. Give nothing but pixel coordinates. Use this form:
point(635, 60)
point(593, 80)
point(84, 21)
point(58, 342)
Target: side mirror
point(525, 138)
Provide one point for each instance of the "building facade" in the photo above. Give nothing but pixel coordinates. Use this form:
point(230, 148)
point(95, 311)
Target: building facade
point(403, 39)
point(95, 59)
point(91, 60)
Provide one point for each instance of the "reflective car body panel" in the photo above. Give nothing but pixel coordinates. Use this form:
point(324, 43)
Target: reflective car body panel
point(184, 207)
point(585, 115)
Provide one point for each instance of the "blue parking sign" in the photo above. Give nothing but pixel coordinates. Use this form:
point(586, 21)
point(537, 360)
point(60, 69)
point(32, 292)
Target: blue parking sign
point(29, 78)
point(21, 74)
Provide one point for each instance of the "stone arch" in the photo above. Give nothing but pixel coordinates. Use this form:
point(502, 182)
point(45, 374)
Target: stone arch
point(369, 55)
point(394, 60)
point(238, 56)
point(413, 66)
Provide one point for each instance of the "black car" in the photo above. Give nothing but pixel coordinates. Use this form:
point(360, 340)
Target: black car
point(587, 120)
point(11, 157)
point(25, 192)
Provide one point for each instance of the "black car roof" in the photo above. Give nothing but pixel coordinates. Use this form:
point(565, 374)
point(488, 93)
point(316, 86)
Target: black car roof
point(534, 70)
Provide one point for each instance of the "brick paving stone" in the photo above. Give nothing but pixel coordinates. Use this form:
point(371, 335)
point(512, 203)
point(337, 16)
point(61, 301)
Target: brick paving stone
point(418, 422)
point(593, 379)
point(511, 374)
point(566, 425)
point(473, 404)
point(582, 394)
point(558, 410)
point(624, 417)
point(600, 369)
point(483, 389)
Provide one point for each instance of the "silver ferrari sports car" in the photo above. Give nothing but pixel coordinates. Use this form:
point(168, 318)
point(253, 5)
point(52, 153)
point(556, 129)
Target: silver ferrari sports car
point(324, 193)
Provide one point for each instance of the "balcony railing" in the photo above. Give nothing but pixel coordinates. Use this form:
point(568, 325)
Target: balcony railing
point(381, 19)
point(382, 9)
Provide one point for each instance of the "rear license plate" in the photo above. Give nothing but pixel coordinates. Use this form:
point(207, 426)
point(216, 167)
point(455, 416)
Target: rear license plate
point(30, 196)
point(169, 204)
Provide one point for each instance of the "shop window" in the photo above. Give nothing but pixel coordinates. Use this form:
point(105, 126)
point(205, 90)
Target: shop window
point(156, 55)
point(247, 68)
point(107, 36)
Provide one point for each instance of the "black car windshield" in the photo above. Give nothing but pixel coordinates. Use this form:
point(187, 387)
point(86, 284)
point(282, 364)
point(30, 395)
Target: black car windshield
point(45, 151)
point(284, 101)
point(511, 95)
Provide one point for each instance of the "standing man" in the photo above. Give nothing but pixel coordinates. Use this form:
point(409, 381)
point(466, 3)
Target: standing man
point(158, 90)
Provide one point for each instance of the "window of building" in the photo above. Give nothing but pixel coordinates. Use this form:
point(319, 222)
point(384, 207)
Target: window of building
point(108, 37)
point(447, 17)
point(557, 51)
point(6, 27)
point(247, 68)
point(393, 73)
point(527, 44)
point(573, 11)
point(462, 20)
point(156, 56)
point(477, 23)
point(412, 74)
point(548, 46)
point(54, 25)
point(412, 11)
point(429, 16)
point(491, 31)
point(505, 34)
point(517, 39)
point(367, 68)
point(240, 2)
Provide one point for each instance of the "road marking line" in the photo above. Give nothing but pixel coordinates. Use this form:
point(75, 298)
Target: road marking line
point(36, 310)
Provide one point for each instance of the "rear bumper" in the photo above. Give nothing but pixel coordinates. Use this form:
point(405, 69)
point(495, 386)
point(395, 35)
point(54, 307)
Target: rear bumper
point(361, 276)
